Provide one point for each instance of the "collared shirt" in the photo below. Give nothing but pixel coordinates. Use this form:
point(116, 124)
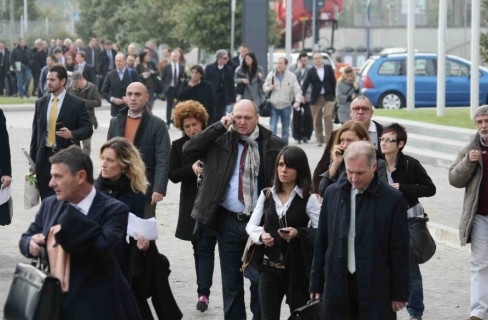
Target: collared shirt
point(84, 205)
point(373, 134)
point(134, 116)
point(321, 74)
point(279, 75)
point(121, 73)
point(81, 66)
point(61, 97)
point(231, 199)
point(312, 210)
point(351, 255)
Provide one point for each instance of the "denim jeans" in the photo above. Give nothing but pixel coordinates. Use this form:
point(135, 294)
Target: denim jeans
point(24, 77)
point(415, 305)
point(232, 238)
point(204, 254)
point(479, 267)
point(284, 115)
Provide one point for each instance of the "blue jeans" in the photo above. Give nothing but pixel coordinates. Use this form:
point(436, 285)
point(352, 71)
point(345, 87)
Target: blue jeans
point(204, 254)
point(285, 115)
point(24, 77)
point(232, 238)
point(415, 305)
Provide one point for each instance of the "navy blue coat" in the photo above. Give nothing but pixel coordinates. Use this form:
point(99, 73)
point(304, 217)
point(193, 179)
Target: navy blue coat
point(381, 246)
point(97, 287)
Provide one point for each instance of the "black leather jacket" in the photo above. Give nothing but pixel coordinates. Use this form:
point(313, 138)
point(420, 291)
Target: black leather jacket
point(218, 148)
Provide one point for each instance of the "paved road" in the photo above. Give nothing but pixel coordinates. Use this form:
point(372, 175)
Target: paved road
point(446, 276)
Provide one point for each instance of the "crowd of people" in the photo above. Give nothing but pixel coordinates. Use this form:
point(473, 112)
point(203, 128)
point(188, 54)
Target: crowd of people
point(338, 233)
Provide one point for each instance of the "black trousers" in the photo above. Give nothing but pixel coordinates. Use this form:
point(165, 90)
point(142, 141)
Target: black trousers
point(170, 97)
point(43, 173)
point(353, 296)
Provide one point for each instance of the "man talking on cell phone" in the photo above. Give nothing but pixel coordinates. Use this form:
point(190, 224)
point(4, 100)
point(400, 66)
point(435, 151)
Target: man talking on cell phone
point(240, 160)
point(60, 120)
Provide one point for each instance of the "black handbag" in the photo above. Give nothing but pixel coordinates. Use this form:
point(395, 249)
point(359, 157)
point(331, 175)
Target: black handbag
point(6, 212)
point(422, 245)
point(311, 311)
point(266, 105)
point(34, 294)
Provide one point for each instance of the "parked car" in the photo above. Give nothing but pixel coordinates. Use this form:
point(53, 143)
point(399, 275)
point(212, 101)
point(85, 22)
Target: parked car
point(383, 80)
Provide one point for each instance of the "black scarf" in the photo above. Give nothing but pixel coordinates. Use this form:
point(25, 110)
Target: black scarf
point(114, 188)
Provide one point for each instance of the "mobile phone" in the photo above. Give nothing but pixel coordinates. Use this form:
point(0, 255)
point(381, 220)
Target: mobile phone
point(284, 230)
point(59, 125)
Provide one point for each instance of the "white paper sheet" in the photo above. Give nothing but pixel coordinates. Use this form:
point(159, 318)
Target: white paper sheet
point(4, 195)
point(147, 228)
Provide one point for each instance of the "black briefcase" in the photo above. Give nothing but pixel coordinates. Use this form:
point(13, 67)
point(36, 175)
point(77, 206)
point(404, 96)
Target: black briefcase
point(34, 294)
point(311, 311)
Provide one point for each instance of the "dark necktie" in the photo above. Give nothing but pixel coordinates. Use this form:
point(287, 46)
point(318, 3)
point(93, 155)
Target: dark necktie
point(110, 60)
point(1, 58)
point(175, 76)
point(93, 56)
point(241, 170)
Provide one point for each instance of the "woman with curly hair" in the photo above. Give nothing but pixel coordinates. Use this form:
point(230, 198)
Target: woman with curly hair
point(191, 117)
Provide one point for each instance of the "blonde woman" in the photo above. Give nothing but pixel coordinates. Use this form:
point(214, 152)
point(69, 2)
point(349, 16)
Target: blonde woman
point(123, 177)
point(347, 89)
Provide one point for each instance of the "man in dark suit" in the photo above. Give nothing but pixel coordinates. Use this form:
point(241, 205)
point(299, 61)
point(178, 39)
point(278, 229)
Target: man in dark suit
point(150, 136)
point(323, 81)
point(60, 120)
point(106, 62)
point(360, 110)
point(172, 77)
point(237, 60)
point(4, 65)
point(90, 227)
point(92, 51)
point(87, 70)
point(221, 76)
point(116, 82)
point(361, 255)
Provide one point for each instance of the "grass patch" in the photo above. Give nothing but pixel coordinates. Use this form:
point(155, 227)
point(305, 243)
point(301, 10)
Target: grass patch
point(16, 100)
point(455, 117)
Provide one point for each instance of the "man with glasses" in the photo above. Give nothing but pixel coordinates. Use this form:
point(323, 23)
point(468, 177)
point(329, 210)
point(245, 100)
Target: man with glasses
point(221, 76)
point(360, 110)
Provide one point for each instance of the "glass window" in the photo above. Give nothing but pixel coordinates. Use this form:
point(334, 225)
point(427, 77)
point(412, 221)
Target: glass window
point(456, 69)
point(392, 68)
point(424, 67)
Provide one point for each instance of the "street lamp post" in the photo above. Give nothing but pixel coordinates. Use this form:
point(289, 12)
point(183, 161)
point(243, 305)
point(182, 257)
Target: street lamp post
point(232, 26)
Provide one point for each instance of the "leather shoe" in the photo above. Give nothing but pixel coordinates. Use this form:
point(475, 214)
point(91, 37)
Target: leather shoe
point(474, 318)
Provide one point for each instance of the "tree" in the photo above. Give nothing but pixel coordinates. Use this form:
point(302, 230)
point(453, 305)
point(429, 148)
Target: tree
point(484, 36)
point(32, 10)
point(207, 24)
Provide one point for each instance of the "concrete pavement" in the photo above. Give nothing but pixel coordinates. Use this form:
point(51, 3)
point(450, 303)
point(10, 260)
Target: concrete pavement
point(446, 276)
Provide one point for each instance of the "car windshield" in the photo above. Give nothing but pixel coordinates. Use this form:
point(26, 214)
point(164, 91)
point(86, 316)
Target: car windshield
point(366, 66)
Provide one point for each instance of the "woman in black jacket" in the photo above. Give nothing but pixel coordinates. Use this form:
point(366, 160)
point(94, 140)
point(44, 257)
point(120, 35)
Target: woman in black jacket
point(409, 176)
point(280, 221)
point(123, 178)
point(191, 117)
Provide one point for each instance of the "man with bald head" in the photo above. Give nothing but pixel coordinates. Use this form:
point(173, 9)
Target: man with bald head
point(116, 82)
point(361, 109)
point(239, 161)
point(150, 135)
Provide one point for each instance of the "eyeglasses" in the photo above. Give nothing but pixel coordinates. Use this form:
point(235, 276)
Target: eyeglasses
point(388, 140)
point(361, 108)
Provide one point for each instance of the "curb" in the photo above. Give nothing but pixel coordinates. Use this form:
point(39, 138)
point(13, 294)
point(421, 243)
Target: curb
point(446, 235)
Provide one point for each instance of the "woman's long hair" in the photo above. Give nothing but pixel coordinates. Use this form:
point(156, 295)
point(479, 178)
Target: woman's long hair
point(295, 158)
point(129, 158)
point(352, 125)
point(254, 66)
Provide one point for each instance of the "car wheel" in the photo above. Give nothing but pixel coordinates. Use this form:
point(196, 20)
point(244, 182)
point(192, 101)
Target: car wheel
point(392, 100)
